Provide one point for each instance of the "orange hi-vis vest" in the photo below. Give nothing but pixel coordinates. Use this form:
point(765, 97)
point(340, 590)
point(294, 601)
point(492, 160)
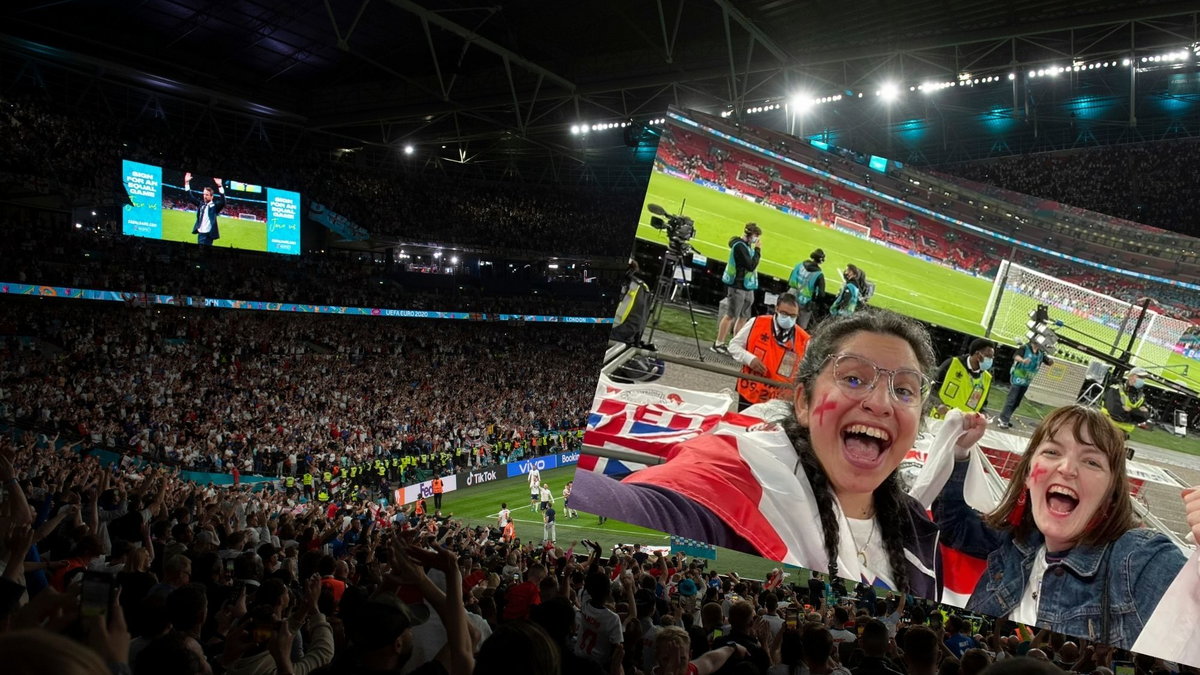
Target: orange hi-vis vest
point(782, 360)
point(437, 486)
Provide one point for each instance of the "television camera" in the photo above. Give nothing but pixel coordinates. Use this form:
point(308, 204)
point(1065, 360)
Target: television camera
point(679, 228)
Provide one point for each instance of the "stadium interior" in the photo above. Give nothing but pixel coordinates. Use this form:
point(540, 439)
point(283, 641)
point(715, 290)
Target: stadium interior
point(303, 442)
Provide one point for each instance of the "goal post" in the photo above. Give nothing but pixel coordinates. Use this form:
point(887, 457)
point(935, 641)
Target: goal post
point(1095, 319)
point(851, 226)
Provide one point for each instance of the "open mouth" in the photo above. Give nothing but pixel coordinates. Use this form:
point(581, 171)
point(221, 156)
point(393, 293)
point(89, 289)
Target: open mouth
point(1061, 500)
point(865, 445)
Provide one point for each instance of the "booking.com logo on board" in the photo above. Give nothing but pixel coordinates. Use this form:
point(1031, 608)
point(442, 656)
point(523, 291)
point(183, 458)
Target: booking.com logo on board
point(523, 467)
point(565, 458)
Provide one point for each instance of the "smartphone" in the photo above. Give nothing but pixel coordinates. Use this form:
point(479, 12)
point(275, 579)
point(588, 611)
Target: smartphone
point(792, 619)
point(1123, 668)
point(262, 632)
point(229, 565)
point(97, 593)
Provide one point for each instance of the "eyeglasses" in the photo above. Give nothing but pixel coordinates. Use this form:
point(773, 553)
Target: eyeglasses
point(857, 376)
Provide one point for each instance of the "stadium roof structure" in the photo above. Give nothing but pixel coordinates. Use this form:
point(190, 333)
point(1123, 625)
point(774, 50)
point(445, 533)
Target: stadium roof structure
point(505, 86)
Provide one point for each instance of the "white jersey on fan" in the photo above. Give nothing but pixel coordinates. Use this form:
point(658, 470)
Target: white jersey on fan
point(599, 630)
point(505, 516)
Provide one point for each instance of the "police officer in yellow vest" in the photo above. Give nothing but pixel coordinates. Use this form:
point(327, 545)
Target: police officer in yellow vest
point(289, 482)
point(1125, 404)
point(963, 382)
point(323, 495)
point(307, 481)
point(769, 346)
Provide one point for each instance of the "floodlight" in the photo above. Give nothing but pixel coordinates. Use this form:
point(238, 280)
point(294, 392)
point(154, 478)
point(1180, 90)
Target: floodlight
point(801, 102)
point(408, 149)
point(889, 92)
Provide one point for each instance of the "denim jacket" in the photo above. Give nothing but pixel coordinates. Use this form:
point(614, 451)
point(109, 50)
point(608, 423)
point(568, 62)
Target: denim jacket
point(1141, 566)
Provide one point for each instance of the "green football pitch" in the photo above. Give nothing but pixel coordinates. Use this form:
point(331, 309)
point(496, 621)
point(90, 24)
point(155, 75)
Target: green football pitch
point(480, 504)
point(909, 285)
point(243, 234)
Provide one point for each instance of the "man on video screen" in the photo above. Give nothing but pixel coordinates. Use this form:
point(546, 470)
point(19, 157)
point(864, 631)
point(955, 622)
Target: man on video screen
point(210, 204)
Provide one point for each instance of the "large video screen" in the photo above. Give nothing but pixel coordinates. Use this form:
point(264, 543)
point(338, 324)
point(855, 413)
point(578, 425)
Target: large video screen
point(176, 205)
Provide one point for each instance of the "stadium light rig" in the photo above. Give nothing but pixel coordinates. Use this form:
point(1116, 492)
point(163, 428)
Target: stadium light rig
point(577, 129)
point(1040, 331)
point(409, 149)
point(888, 92)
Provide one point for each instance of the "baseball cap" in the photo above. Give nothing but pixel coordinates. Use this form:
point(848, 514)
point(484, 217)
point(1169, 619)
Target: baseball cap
point(687, 587)
point(378, 622)
point(1139, 372)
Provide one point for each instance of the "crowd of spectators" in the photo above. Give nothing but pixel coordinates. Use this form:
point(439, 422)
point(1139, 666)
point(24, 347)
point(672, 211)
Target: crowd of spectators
point(117, 569)
point(44, 149)
point(59, 254)
point(1144, 182)
point(282, 394)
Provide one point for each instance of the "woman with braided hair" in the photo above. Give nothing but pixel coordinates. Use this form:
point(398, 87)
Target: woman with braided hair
point(822, 492)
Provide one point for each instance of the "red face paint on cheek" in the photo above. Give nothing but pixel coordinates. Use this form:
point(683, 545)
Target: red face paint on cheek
point(1037, 473)
point(823, 407)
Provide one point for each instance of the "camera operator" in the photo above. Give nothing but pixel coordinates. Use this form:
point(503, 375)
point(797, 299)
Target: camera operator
point(741, 280)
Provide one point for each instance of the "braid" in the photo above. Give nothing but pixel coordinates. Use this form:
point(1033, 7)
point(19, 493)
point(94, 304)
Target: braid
point(821, 488)
point(894, 521)
point(824, 495)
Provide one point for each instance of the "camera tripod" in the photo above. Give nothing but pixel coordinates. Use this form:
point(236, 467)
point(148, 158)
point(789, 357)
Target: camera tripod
point(671, 261)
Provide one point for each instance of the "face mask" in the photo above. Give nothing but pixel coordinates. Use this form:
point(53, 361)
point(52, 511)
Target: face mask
point(753, 239)
point(785, 322)
point(986, 363)
point(1139, 383)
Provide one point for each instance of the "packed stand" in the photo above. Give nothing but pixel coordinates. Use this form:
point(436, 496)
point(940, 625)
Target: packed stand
point(39, 253)
point(123, 570)
point(47, 151)
point(286, 395)
point(1145, 182)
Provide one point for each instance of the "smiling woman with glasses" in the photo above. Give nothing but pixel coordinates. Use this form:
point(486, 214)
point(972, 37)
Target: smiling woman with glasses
point(826, 496)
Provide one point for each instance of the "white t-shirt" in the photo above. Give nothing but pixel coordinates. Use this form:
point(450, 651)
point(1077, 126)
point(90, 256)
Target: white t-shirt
point(867, 536)
point(1027, 610)
point(599, 630)
point(775, 622)
point(648, 634)
point(892, 621)
point(842, 635)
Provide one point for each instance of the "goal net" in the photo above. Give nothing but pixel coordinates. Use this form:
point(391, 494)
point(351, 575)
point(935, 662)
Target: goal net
point(851, 226)
point(1095, 319)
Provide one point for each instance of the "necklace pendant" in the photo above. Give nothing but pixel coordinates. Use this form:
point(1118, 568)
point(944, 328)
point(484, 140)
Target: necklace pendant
point(862, 558)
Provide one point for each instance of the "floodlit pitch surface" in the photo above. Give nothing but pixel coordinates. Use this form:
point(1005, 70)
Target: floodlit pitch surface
point(904, 283)
point(479, 505)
